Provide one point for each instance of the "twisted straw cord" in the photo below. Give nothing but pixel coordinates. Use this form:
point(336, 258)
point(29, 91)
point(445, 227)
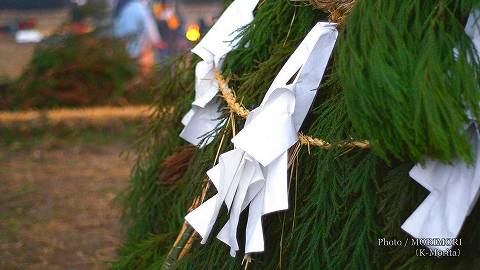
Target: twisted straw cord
point(228, 95)
point(338, 9)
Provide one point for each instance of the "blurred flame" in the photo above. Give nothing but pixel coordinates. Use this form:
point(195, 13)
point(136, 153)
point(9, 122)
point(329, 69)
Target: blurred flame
point(193, 32)
point(158, 10)
point(167, 13)
point(173, 22)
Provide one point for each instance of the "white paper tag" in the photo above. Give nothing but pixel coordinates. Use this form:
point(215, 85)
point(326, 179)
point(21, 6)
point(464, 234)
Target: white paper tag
point(255, 173)
point(453, 190)
point(275, 123)
point(217, 43)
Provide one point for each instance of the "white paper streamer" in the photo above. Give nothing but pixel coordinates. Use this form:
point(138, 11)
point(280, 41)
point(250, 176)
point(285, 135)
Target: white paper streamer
point(221, 39)
point(454, 188)
point(255, 173)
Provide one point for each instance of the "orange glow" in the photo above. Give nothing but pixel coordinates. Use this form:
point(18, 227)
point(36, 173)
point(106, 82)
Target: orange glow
point(173, 22)
point(158, 10)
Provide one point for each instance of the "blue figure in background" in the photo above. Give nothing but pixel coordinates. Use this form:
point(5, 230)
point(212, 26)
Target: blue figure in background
point(134, 22)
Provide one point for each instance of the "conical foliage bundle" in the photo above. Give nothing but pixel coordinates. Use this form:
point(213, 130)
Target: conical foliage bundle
point(410, 73)
point(59, 75)
point(342, 201)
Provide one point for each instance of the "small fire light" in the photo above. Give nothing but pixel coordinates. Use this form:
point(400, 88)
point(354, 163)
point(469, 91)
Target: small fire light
point(193, 32)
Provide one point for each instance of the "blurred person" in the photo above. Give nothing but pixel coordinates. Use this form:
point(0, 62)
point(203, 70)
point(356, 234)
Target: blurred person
point(134, 22)
point(170, 25)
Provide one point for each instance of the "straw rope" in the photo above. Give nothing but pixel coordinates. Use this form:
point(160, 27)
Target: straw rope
point(229, 96)
point(338, 9)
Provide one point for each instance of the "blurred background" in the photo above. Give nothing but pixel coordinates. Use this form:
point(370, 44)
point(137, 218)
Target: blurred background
point(76, 78)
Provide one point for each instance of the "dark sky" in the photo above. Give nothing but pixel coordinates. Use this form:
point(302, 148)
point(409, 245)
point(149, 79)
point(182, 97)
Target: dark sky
point(32, 4)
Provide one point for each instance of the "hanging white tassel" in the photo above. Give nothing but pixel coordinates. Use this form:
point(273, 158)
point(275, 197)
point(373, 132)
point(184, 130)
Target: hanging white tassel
point(219, 41)
point(255, 173)
point(454, 190)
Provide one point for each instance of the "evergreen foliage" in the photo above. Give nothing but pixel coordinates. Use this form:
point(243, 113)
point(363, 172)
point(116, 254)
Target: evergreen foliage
point(406, 89)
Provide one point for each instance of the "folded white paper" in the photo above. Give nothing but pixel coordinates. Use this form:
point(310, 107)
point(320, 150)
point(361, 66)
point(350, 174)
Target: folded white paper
point(221, 39)
point(264, 122)
point(199, 121)
point(472, 28)
point(255, 173)
point(454, 188)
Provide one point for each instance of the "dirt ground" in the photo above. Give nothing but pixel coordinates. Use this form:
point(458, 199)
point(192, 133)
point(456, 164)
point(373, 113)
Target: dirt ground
point(56, 209)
